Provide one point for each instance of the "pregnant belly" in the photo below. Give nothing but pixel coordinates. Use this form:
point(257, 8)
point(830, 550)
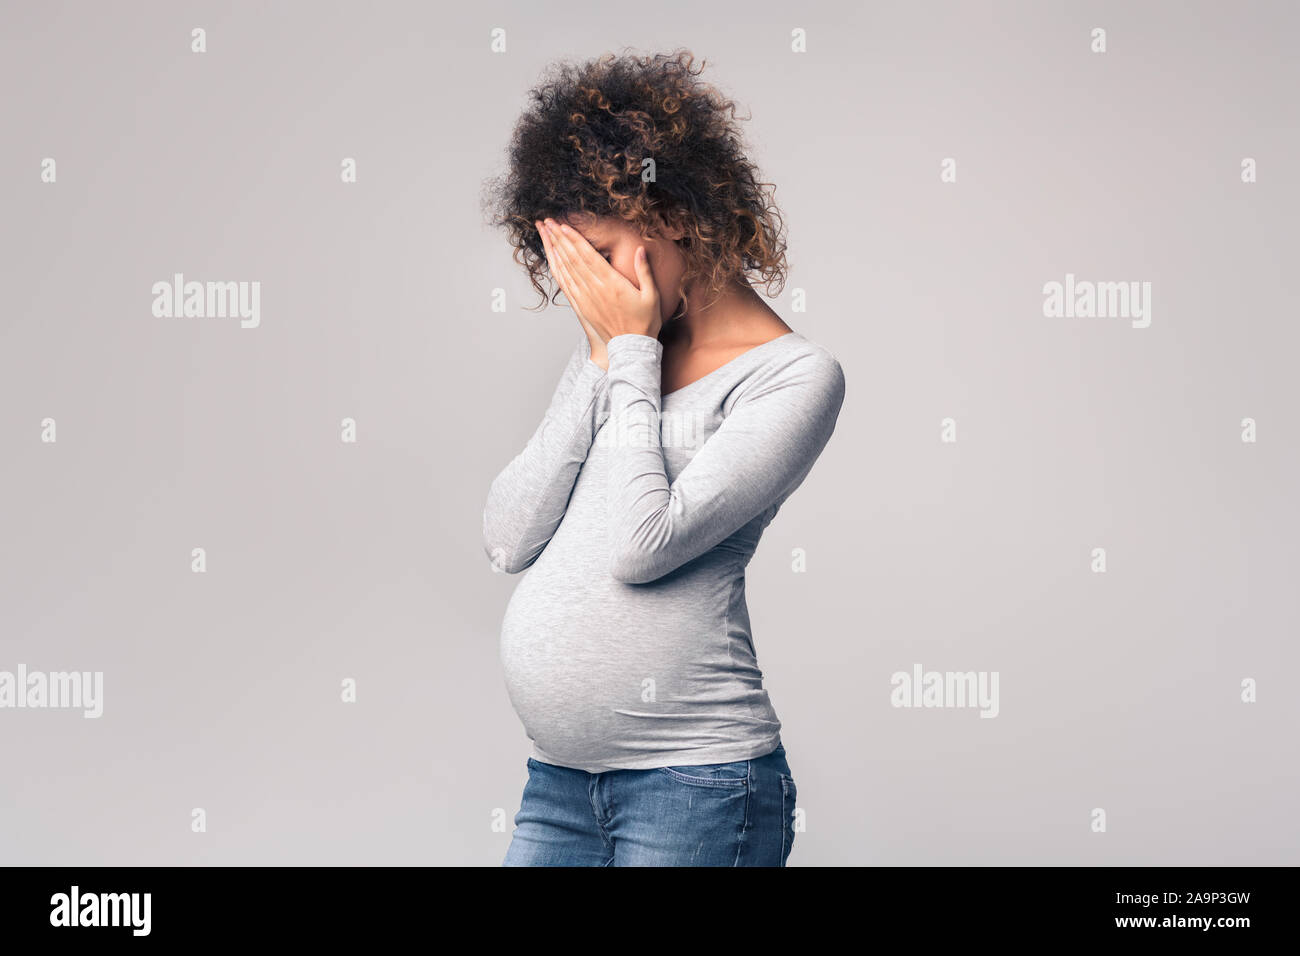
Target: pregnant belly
point(592, 664)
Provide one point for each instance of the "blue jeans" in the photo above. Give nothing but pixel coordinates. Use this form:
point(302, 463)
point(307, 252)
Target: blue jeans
point(718, 814)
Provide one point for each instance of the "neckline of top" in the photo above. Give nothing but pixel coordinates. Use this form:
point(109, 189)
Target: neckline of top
point(730, 362)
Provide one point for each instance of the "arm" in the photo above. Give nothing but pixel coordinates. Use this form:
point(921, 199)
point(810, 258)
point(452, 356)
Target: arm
point(528, 498)
point(760, 453)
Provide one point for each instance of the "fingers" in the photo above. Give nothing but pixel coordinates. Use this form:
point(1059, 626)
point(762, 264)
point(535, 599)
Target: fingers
point(552, 257)
point(570, 256)
point(551, 264)
point(644, 277)
point(556, 260)
point(604, 298)
point(588, 264)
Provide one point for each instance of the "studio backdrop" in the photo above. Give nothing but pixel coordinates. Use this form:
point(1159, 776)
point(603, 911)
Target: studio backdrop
point(1035, 604)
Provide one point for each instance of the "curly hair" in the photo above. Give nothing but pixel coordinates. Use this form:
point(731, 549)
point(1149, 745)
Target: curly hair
point(580, 147)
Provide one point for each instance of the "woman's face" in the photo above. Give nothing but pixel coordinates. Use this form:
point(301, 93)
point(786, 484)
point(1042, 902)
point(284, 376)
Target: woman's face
point(617, 241)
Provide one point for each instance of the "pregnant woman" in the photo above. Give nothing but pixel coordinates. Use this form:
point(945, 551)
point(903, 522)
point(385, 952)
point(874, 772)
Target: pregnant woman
point(687, 413)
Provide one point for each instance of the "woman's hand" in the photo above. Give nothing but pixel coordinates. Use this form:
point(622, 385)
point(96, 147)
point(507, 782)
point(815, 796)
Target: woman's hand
point(606, 303)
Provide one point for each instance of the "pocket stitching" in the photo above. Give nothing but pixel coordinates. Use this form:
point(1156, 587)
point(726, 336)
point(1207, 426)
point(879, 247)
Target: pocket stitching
point(787, 813)
point(706, 781)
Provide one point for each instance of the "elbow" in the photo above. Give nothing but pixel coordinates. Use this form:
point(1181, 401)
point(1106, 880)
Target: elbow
point(501, 560)
point(641, 554)
point(504, 556)
point(505, 560)
point(630, 566)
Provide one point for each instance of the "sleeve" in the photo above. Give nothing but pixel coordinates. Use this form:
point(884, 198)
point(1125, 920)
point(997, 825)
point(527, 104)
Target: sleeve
point(760, 453)
point(527, 500)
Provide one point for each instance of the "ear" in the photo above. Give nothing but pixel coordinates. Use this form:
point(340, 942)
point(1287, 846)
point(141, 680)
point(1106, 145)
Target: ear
point(666, 230)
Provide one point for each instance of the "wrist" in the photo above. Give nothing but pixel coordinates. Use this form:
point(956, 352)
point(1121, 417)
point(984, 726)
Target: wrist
point(596, 354)
point(634, 342)
point(630, 336)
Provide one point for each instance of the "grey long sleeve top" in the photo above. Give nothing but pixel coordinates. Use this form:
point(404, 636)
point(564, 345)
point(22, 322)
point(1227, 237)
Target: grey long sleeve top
point(627, 645)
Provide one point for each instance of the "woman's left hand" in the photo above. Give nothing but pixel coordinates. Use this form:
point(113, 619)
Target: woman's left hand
point(599, 293)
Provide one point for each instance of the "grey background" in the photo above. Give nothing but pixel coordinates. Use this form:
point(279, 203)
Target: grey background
point(328, 560)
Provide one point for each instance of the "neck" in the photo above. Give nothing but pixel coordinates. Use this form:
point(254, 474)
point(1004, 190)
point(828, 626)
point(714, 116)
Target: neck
point(723, 319)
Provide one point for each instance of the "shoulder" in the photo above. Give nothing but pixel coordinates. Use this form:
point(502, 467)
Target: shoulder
point(799, 374)
point(819, 363)
point(798, 361)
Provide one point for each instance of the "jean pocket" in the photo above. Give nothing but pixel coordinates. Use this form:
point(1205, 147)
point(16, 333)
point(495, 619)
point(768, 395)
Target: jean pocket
point(734, 774)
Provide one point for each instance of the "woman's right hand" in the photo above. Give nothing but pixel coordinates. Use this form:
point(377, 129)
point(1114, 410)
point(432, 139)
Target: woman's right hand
point(598, 353)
